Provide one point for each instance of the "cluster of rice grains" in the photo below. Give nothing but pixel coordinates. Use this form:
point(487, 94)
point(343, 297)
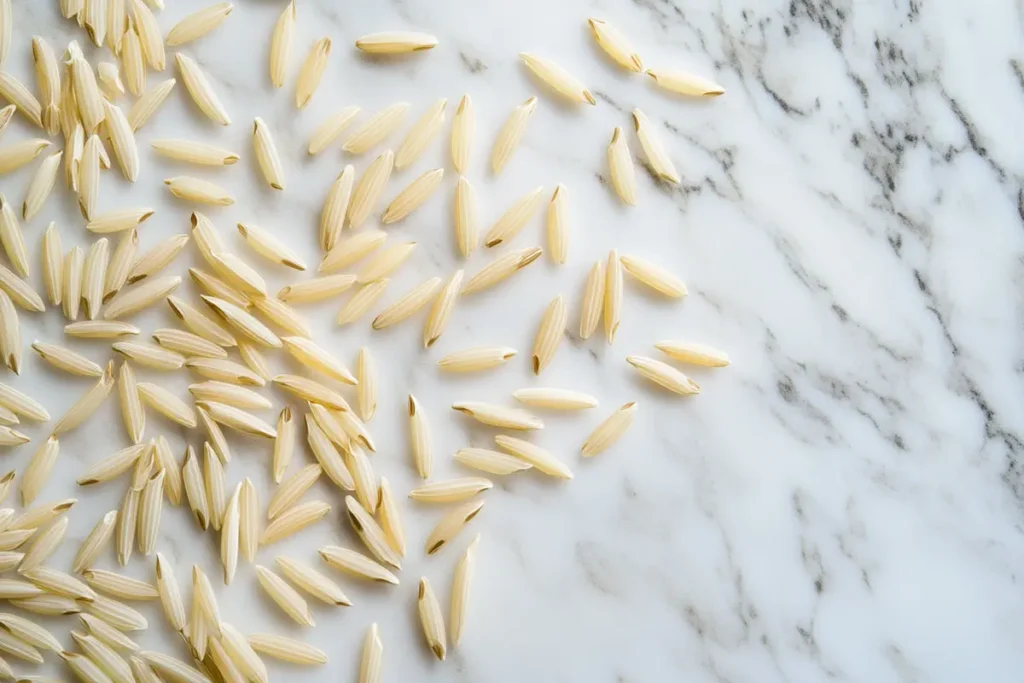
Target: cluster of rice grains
point(98, 288)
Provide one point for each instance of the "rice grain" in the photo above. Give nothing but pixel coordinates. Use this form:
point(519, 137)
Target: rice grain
point(376, 129)
point(421, 134)
point(311, 71)
point(328, 131)
point(451, 524)
point(510, 134)
point(200, 88)
point(198, 23)
point(281, 44)
point(369, 188)
point(610, 430)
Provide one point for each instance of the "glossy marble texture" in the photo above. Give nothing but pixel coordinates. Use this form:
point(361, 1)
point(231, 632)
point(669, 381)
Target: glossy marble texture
point(844, 502)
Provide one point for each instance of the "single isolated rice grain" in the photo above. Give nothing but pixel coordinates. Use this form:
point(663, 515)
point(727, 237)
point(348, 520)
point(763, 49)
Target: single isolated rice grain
point(292, 489)
point(499, 416)
point(693, 353)
point(369, 188)
point(654, 276)
point(356, 564)
point(201, 90)
point(113, 465)
point(15, 92)
point(88, 403)
point(10, 333)
point(407, 305)
point(311, 72)
point(286, 597)
point(466, 219)
point(127, 520)
point(120, 586)
point(238, 419)
point(476, 359)
point(122, 139)
point(610, 430)
point(198, 153)
point(557, 78)
point(554, 399)
point(188, 344)
point(170, 594)
point(685, 83)
point(372, 657)
point(224, 370)
point(451, 524)
point(67, 360)
point(198, 190)
point(195, 490)
point(317, 289)
point(489, 461)
point(328, 131)
point(293, 520)
point(120, 264)
point(284, 444)
point(41, 184)
point(376, 129)
point(535, 455)
point(100, 329)
point(500, 269)
point(213, 482)
point(549, 334)
point(657, 157)
point(361, 301)
point(422, 133)
point(264, 243)
point(149, 33)
point(13, 239)
point(385, 262)
point(463, 131)
point(420, 439)
point(431, 619)
point(514, 219)
point(620, 168)
point(417, 192)
point(95, 543)
point(390, 519)
point(132, 61)
point(616, 45)
point(312, 582)
point(366, 375)
point(317, 359)
point(441, 311)
point(287, 649)
point(266, 154)
point(229, 535)
point(167, 404)
point(149, 102)
point(612, 296)
point(664, 375)
point(150, 356)
point(249, 521)
point(350, 250)
point(94, 274)
point(281, 44)
point(37, 472)
point(53, 265)
point(332, 216)
point(116, 221)
point(138, 297)
point(451, 490)
point(198, 24)
point(558, 229)
point(510, 134)
point(396, 42)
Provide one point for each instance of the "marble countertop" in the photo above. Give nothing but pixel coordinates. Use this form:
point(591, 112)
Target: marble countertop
point(843, 503)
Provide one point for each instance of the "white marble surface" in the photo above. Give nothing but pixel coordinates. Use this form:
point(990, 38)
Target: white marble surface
point(844, 502)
